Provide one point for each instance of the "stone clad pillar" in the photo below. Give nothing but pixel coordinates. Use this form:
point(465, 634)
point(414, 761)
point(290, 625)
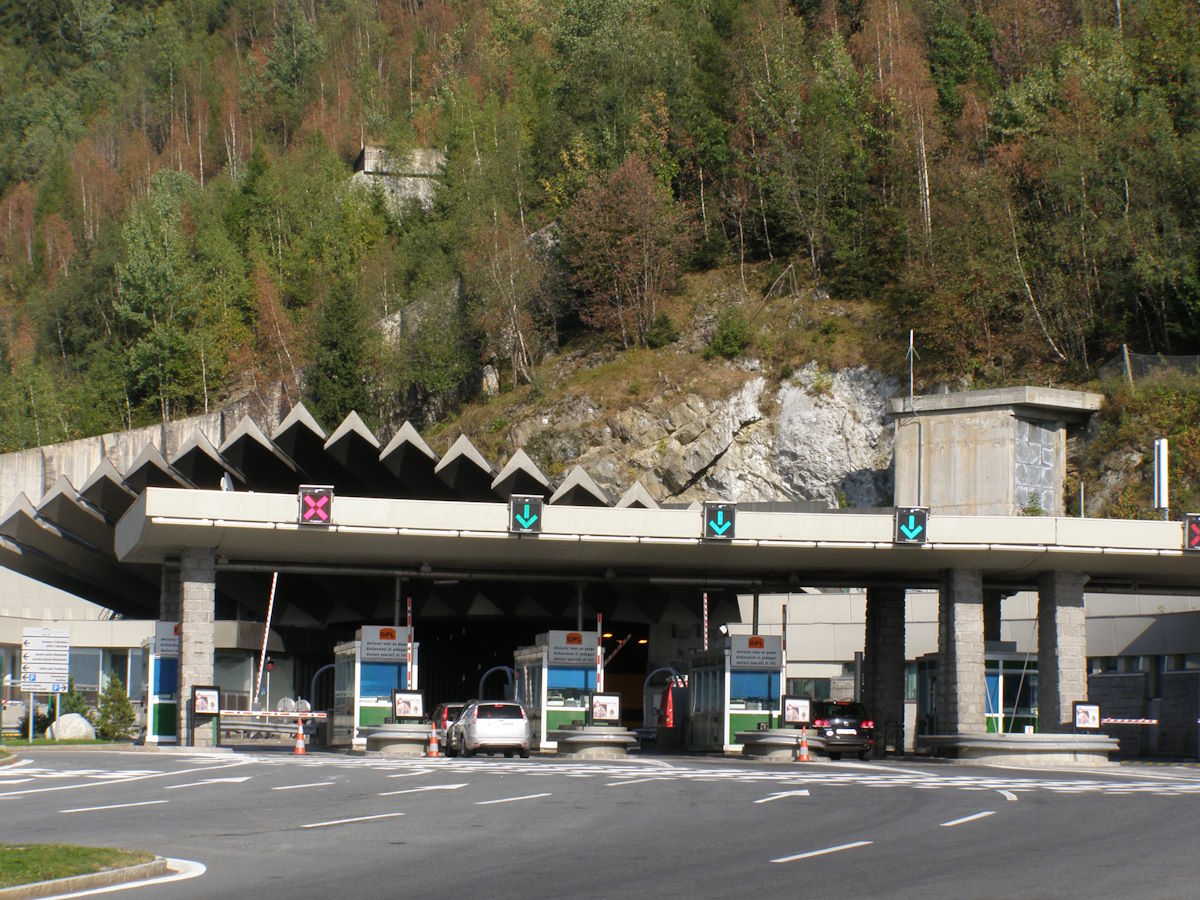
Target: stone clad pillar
point(168, 595)
point(960, 682)
point(883, 676)
point(991, 615)
point(198, 581)
point(1062, 649)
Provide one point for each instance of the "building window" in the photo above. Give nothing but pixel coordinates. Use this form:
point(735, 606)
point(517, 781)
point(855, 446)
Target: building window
point(85, 669)
point(816, 688)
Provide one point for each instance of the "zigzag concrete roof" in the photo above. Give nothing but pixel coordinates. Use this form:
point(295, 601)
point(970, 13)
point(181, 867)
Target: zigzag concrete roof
point(66, 536)
point(401, 512)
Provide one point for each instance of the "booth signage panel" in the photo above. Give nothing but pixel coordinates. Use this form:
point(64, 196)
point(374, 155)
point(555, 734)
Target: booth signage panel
point(166, 638)
point(45, 660)
point(571, 648)
point(383, 643)
point(606, 709)
point(755, 651)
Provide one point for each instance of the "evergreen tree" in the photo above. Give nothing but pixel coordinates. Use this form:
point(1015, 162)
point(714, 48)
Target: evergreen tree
point(336, 382)
point(116, 712)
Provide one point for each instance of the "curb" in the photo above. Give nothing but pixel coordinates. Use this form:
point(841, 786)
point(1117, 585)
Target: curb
point(140, 872)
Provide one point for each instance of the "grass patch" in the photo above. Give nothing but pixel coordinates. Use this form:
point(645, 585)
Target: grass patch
point(29, 863)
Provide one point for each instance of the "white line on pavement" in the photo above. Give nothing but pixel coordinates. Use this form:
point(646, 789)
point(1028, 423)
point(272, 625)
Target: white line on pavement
point(1009, 795)
point(181, 870)
point(803, 792)
point(413, 772)
point(836, 849)
point(296, 787)
point(355, 819)
point(634, 781)
point(510, 799)
point(429, 787)
point(71, 787)
point(114, 806)
point(172, 787)
point(965, 819)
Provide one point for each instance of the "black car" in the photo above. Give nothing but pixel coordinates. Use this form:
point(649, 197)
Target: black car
point(844, 726)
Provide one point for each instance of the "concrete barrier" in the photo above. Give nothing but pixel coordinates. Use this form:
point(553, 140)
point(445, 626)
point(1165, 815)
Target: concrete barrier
point(1032, 750)
point(593, 741)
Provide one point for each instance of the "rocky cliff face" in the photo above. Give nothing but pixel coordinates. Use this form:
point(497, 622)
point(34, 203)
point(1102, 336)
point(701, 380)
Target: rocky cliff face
point(821, 436)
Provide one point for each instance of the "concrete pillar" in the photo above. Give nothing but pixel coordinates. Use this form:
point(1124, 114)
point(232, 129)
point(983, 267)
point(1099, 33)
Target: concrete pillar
point(991, 615)
point(883, 677)
point(1062, 649)
point(198, 581)
point(168, 595)
point(960, 684)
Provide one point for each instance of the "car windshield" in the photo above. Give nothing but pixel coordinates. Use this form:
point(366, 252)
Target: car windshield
point(499, 711)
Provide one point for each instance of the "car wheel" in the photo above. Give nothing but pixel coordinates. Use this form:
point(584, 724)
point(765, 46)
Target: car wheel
point(508, 754)
point(524, 753)
point(835, 755)
point(467, 751)
point(863, 754)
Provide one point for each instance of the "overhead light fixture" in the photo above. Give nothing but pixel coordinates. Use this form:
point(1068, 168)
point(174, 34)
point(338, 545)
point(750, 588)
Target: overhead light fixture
point(724, 629)
point(643, 641)
point(426, 568)
point(607, 635)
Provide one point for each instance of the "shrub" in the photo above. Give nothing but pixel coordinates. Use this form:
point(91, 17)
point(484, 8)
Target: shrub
point(662, 332)
point(116, 712)
point(732, 335)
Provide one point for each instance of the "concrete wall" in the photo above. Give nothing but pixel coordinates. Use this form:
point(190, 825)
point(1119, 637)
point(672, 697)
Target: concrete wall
point(960, 464)
point(1122, 695)
point(1178, 731)
point(33, 472)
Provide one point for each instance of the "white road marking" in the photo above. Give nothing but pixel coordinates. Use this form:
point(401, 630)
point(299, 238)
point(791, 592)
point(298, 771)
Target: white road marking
point(965, 819)
point(14, 781)
point(1008, 795)
point(172, 787)
point(510, 799)
point(633, 781)
point(799, 793)
point(114, 806)
point(413, 772)
point(810, 853)
point(355, 819)
point(181, 870)
point(296, 787)
point(428, 787)
point(90, 784)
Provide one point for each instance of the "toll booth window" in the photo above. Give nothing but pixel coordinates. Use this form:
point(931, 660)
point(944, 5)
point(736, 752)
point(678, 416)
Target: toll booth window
point(754, 690)
point(166, 676)
point(572, 686)
point(1020, 693)
point(379, 679)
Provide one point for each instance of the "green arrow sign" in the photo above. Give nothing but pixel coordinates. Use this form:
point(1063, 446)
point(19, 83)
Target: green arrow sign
point(911, 525)
point(718, 521)
point(524, 514)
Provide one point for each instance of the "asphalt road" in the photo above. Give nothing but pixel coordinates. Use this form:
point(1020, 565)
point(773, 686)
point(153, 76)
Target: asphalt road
point(272, 825)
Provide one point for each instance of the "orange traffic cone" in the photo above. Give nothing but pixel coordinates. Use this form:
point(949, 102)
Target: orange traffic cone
point(803, 757)
point(300, 749)
point(433, 741)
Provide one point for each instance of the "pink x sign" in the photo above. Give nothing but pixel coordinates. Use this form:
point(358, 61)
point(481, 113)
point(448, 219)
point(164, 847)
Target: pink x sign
point(316, 506)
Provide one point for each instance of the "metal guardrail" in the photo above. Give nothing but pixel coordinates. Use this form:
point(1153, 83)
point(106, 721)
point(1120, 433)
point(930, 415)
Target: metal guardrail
point(252, 724)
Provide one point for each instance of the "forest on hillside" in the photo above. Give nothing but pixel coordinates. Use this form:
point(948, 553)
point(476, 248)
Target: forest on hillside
point(1018, 180)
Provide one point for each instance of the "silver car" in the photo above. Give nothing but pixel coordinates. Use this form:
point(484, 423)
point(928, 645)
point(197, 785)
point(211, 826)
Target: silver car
point(491, 727)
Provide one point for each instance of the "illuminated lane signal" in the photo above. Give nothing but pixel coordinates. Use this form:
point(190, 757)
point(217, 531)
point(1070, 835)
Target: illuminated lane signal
point(316, 504)
point(1191, 531)
point(524, 514)
point(911, 525)
point(719, 521)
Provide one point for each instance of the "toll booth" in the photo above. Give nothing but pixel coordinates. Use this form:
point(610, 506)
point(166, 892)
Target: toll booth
point(555, 677)
point(732, 689)
point(1011, 682)
point(365, 672)
point(161, 653)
